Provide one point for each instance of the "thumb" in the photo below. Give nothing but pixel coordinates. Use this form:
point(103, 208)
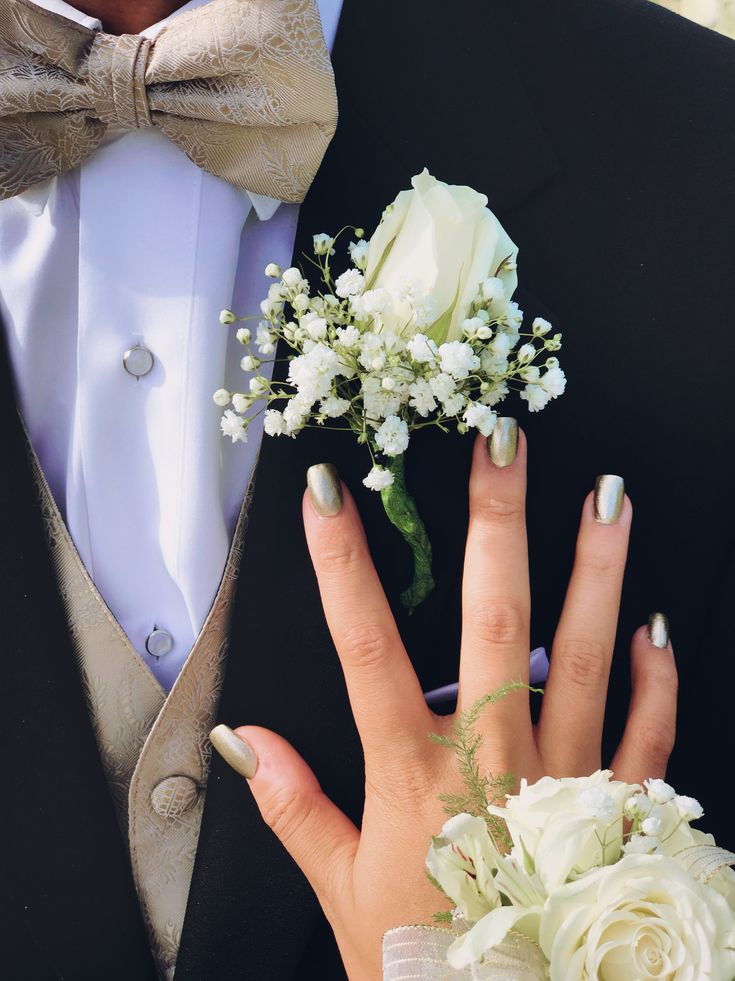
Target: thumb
point(318, 836)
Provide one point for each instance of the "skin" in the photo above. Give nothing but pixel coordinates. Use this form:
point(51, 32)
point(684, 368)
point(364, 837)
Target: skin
point(124, 17)
point(371, 880)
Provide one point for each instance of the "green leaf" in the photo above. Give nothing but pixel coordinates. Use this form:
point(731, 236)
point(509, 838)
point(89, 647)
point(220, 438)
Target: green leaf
point(440, 328)
point(386, 252)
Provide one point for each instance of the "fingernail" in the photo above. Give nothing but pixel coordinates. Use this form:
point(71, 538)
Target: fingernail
point(325, 489)
point(502, 443)
point(240, 755)
point(658, 630)
point(609, 496)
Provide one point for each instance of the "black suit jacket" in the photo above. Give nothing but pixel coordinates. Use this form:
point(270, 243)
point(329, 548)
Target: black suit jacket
point(602, 132)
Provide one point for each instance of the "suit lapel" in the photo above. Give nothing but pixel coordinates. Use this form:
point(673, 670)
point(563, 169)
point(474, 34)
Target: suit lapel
point(250, 908)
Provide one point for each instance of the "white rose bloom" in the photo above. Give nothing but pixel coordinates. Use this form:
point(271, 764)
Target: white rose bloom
point(462, 860)
point(643, 918)
point(445, 237)
point(221, 397)
point(378, 479)
point(558, 823)
point(350, 283)
point(659, 791)
point(392, 437)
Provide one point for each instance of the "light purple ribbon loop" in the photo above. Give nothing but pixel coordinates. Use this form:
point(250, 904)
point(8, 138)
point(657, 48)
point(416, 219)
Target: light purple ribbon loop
point(539, 674)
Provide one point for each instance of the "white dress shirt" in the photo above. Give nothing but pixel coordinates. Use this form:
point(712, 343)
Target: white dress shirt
point(139, 247)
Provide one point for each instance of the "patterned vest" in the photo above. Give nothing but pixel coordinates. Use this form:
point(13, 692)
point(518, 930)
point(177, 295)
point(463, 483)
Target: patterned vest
point(154, 747)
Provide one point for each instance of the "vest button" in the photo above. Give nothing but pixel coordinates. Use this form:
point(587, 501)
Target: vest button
point(158, 643)
point(174, 796)
point(138, 361)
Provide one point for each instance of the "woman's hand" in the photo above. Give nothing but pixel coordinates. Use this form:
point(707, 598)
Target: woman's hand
point(371, 880)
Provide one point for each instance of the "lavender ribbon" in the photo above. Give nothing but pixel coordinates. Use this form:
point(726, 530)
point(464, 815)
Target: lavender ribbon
point(539, 674)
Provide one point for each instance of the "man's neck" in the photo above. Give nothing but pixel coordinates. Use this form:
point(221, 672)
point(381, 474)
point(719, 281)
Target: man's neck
point(125, 17)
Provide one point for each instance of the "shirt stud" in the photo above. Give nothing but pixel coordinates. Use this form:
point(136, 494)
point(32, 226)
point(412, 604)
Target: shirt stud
point(158, 643)
point(138, 361)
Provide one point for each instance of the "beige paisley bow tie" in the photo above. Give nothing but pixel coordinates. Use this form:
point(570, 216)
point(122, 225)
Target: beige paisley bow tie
point(244, 87)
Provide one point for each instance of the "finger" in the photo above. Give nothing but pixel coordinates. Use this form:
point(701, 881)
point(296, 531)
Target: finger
point(496, 602)
point(570, 729)
point(651, 727)
point(318, 836)
point(384, 691)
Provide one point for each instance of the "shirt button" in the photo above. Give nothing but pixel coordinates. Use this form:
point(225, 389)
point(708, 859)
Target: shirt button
point(138, 361)
point(174, 796)
point(158, 643)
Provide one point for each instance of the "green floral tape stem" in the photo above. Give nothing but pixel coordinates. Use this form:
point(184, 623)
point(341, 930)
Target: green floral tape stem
point(403, 514)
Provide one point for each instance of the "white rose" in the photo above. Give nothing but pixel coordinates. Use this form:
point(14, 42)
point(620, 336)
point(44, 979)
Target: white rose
point(462, 860)
point(561, 823)
point(644, 918)
point(444, 237)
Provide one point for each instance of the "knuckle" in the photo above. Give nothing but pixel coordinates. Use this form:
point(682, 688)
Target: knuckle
point(584, 662)
point(494, 510)
point(655, 741)
point(341, 554)
point(364, 644)
point(598, 564)
point(402, 788)
point(500, 624)
point(286, 811)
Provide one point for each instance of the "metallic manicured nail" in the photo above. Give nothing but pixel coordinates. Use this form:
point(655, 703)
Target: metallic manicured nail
point(325, 489)
point(502, 443)
point(609, 497)
point(658, 630)
point(235, 751)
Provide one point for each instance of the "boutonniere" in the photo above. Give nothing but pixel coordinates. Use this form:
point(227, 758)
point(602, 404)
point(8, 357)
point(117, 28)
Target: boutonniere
point(419, 330)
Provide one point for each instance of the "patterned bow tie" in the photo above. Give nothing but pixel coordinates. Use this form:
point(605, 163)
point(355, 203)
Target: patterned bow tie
point(244, 87)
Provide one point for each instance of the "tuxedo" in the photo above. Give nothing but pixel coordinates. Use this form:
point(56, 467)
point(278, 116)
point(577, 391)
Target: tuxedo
point(596, 130)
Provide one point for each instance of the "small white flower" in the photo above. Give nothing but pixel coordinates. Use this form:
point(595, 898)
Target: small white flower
point(554, 381)
point(227, 317)
point(492, 394)
point(265, 340)
point(392, 437)
point(350, 283)
point(293, 416)
point(372, 303)
point(221, 397)
point(300, 302)
point(652, 825)
point(323, 244)
point(378, 479)
point(659, 791)
point(388, 383)
point(273, 270)
point(241, 402)
point(481, 417)
point(232, 426)
point(493, 289)
point(501, 346)
point(641, 845)
point(243, 335)
point(443, 386)
point(485, 332)
point(526, 353)
point(530, 373)
point(292, 277)
point(553, 343)
point(540, 327)
point(359, 253)
point(259, 385)
point(454, 404)
point(688, 808)
point(348, 337)
point(271, 308)
point(458, 359)
point(536, 396)
point(422, 349)
point(422, 398)
point(638, 806)
point(598, 804)
point(334, 407)
point(273, 423)
point(249, 363)
point(317, 328)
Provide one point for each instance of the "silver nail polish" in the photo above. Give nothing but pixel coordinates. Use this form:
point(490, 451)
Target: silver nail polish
point(325, 489)
point(235, 751)
point(502, 443)
point(658, 630)
point(609, 497)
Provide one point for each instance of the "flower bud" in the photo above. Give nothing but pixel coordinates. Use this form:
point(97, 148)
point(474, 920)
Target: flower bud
point(227, 317)
point(221, 397)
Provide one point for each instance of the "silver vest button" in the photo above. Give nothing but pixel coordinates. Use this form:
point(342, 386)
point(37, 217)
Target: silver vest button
point(174, 796)
point(138, 361)
point(158, 643)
